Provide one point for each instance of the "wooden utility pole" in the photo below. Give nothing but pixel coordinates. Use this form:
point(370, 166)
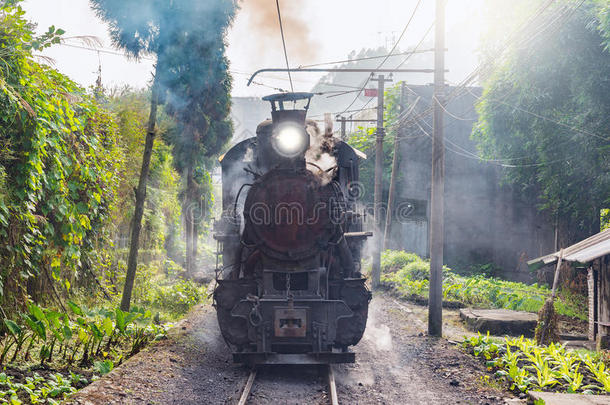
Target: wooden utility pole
point(389, 208)
point(376, 276)
point(343, 134)
point(435, 299)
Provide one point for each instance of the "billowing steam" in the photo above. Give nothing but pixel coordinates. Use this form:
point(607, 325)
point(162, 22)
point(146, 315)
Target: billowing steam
point(263, 20)
point(319, 157)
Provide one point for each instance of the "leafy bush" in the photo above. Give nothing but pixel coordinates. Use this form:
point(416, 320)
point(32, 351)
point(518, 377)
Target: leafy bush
point(416, 270)
point(176, 298)
point(394, 260)
point(525, 366)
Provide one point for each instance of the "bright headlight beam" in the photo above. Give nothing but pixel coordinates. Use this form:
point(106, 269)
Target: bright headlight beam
point(290, 141)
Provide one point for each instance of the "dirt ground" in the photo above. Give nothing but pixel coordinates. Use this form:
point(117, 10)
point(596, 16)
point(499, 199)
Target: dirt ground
point(396, 364)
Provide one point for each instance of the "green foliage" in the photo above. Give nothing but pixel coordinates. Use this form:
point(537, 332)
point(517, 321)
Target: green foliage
point(363, 139)
point(411, 280)
point(526, 366)
point(37, 389)
point(176, 298)
point(603, 15)
point(546, 113)
point(59, 177)
point(79, 336)
point(394, 260)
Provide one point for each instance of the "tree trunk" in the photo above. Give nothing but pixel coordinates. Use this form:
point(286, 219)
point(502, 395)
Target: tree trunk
point(189, 221)
point(194, 244)
point(140, 192)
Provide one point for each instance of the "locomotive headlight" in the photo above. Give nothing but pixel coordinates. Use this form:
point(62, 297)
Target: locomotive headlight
point(290, 140)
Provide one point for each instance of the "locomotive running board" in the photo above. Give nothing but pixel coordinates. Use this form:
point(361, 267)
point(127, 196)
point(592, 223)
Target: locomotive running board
point(310, 358)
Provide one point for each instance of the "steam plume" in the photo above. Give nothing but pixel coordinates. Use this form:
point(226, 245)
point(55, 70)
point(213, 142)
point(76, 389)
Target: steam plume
point(263, 20)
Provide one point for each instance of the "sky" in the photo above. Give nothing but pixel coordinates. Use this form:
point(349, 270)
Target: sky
point(315, 31)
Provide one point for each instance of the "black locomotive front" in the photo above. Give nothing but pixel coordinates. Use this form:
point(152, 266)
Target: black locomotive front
point(290, 288)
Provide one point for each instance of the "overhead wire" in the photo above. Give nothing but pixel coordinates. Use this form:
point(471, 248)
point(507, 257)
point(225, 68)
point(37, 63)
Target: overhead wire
point(387, 56)
point(366, 58)
point(279, 16)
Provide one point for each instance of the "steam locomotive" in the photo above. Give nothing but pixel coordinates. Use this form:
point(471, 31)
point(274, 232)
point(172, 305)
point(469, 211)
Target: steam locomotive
point(290, 288)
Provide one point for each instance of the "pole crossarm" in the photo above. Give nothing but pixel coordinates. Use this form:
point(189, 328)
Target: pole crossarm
point(351, 120)
point(347, 70)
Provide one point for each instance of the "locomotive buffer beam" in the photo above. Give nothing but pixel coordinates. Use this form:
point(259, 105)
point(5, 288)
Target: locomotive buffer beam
point(291, 359)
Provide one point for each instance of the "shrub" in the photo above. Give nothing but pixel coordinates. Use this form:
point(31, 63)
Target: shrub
point(177, 298)
point(417, 270)
point(394, 260)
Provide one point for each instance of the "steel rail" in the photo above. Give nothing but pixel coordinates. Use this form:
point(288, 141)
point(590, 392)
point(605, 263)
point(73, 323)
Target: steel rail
point(246, 392)
point(332, 387)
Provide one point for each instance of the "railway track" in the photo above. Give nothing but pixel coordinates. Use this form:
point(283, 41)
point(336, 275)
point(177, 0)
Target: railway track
point(327, 370)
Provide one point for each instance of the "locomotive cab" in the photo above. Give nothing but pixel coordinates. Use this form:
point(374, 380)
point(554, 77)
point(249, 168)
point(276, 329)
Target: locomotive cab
point(289, 289)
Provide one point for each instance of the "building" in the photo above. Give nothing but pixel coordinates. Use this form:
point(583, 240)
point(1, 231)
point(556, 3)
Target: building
point(592, 254)
point(486, 221)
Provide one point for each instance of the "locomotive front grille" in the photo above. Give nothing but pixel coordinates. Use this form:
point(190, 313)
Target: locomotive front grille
point(290, 322)
point(301, 284)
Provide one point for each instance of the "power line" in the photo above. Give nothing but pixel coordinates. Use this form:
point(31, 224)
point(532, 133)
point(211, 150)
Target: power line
point(471, 155)
point(387, 56)
point(367, 58)
point(492, 60)
point(279, 16)
point(100, 50)
point(416, 46)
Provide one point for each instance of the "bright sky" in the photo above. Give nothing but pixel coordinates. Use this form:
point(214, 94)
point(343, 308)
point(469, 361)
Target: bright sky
point(337, 27)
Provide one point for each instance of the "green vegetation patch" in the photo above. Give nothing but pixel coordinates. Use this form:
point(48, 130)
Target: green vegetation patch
point(409, 274)
point(526, 366)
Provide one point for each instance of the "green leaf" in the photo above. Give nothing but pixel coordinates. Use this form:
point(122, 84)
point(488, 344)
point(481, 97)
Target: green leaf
point(75, 308)
point(12, 327)
point(67, 332)
point(37, 312)
point(120, 320)
point(108, 326)
point(103, 367)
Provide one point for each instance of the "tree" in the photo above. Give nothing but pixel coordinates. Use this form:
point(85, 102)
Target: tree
point(160, 27)
point(199, 87)
point(545, 114)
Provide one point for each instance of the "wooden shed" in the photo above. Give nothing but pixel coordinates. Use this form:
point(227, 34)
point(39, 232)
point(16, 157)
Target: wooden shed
point(593, 254)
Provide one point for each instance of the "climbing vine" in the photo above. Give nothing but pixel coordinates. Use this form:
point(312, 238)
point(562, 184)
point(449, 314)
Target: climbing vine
point(57, 165)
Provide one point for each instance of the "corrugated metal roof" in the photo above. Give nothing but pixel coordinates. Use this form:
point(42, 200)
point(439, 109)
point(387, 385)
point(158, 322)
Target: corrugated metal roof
point(584, 251)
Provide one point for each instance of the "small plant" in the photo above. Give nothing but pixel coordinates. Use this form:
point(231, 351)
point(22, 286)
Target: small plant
point(525, 365)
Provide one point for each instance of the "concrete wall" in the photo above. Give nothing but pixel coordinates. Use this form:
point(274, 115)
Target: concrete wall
point(485, 221)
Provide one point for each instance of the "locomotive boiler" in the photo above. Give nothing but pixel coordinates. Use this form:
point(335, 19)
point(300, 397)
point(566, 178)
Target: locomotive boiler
point(290, 289)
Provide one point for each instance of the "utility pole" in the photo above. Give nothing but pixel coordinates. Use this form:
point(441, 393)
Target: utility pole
point(435, 299)
point(389, 209)
point(394, 176)
point(377, 241)
point(343, 134)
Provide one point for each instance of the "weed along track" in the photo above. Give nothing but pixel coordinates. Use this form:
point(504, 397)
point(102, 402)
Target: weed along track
point(289, 383)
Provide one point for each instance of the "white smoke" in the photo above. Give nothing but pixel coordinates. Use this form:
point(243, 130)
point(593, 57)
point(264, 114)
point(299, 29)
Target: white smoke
point(319, 158)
